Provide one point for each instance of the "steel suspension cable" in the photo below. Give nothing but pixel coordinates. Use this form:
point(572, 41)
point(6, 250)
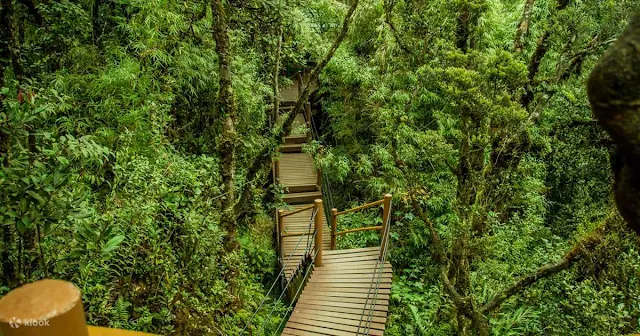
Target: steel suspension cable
point(275, 281)
point(379, 268)
point(304, 279)
point(315, 232)
point(313, 216)
point(384, 257)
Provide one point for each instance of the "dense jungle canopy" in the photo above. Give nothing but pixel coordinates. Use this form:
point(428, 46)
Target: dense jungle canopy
point(137, 139)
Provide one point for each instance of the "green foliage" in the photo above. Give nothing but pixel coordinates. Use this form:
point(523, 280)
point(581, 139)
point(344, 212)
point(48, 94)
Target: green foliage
point(110, 168)
point(411, 110)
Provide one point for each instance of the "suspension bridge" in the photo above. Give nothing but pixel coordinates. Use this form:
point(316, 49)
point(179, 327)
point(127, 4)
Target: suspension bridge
point(338, 292)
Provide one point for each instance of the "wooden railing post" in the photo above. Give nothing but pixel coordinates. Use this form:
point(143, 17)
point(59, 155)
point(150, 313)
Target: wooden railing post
point(307, 117)
point(384, 237)
point(318, 232)
point(307, 114)
point(276, 164)
point(334, 227)
point(280, 232)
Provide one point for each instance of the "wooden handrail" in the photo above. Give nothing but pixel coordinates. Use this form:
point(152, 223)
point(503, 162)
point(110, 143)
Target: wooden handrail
point(366, 228)
point(297, 211)
point(386, 201)
point(280, 232)
point(362, 207)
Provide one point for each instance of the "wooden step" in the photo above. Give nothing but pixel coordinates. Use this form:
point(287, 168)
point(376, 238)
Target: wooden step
point(295, 139)
point(289, 95)
point(303, 197)
point(301, 188)
point(292, 148)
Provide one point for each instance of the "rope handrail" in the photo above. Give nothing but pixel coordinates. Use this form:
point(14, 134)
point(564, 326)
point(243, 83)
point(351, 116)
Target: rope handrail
point(313, 216)
point(375, 297)
point(378, 272)
point(326, 185)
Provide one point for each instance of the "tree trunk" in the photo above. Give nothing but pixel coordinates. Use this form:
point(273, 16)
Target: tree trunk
point(534, 66)
point(95, 20)
point(31, 8)
point(467, 314)
point(6, 14)
point(614, 93)
point(463, 29)
point(523, 27)
point(227, 109)
point(8, 268)
point(9, 45)
point(276, 75)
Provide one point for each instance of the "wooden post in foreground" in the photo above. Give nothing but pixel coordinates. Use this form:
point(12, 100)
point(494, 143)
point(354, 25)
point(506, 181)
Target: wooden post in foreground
point(49, 308)
point(318, 232)
point(334, 227)
point(384, 238)
point(45, 307)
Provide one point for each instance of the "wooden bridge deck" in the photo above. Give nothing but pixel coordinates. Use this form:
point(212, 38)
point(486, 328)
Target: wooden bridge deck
point(340, 298)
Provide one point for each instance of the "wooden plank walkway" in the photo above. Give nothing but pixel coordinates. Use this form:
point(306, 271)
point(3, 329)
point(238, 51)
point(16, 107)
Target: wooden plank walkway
point(334, 300)
point(349, 294)
point(297, 173)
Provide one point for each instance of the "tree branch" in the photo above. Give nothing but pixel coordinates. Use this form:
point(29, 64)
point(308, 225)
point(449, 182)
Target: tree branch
point(388, 9)
point(263, 159)
point(276, 74)
point(579, 251)
point(541, 50)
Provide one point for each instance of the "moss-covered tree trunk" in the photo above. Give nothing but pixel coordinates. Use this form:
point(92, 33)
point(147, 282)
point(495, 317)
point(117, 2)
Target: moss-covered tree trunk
point(523, 26)
point(614, 93)
point(227, 108)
